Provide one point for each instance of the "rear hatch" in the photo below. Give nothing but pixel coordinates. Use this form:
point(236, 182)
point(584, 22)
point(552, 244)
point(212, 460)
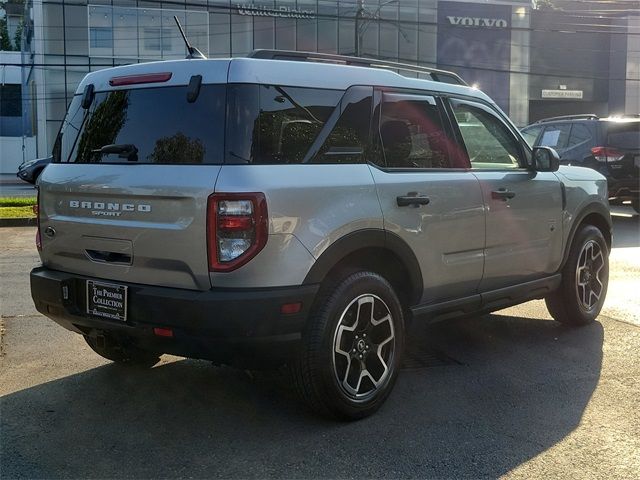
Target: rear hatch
point(134, 164)
point(623, 143)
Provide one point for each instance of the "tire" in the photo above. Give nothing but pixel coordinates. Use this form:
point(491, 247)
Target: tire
point(585, 278)
point(121, 353)
point(351, 349)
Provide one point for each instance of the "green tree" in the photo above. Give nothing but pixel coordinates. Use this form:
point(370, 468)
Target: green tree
point(177, 148)
point(17, 40)
point(5, 41)
point(103, 126)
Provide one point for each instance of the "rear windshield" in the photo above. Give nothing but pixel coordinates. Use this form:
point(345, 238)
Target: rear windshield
point(624, 135)
point(150, 125)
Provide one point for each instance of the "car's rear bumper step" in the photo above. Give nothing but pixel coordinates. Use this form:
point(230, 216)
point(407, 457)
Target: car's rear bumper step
point(225, 325)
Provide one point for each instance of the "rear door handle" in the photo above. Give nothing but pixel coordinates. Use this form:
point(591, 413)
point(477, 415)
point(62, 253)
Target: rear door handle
point(502, 194)
point(412, 199)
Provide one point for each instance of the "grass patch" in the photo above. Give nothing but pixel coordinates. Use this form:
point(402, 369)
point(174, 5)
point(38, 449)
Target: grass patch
point(17, 201)
point(17, 212)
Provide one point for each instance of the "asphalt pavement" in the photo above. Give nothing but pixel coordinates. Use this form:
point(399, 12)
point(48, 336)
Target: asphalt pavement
point(511, 394)
point(12, 186)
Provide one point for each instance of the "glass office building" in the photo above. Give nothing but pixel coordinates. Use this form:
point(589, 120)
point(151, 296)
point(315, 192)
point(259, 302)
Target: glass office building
point(487, 43)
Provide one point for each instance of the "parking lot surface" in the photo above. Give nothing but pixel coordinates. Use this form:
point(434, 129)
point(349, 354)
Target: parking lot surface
point(509, 394)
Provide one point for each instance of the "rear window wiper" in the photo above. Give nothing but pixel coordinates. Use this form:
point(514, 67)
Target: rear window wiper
point(123, 150)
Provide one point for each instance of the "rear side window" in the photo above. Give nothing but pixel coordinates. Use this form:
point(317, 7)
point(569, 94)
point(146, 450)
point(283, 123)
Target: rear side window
point(625, 135)
point(270, 124)
point(412, 132)
point(150, 125)
point(579, 135)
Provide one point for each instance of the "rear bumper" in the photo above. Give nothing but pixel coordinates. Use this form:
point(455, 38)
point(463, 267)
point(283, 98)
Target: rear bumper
point(242, 327)
point(624, 188)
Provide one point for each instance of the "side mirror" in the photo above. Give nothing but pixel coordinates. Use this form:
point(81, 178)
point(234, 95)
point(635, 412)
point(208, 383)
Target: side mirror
point(545, 159)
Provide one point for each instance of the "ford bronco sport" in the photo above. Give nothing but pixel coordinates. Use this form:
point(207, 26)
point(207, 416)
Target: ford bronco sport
point(303, 212)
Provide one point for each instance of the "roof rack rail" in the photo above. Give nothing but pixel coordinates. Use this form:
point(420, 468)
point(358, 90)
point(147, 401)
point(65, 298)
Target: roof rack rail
point(434, 73)
point(583, 116)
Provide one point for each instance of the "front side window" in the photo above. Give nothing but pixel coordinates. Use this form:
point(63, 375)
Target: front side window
point(489, 143)
point(530, 134)
point(556, 136)
point(412, 132)
point(147, 125)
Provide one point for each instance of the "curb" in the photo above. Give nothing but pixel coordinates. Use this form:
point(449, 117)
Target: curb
point(18, 222)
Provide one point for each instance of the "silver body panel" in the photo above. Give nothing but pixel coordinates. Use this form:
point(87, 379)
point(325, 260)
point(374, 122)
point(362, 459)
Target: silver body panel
point(584, 186)
point(447, 235)
point(524, 233)
point(167, 244)
point(310, 205)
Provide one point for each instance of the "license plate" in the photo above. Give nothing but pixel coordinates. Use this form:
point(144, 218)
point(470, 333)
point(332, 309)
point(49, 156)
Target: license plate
point(107, 300)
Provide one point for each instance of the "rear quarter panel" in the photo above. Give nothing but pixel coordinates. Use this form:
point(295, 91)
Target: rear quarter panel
point(309, 206)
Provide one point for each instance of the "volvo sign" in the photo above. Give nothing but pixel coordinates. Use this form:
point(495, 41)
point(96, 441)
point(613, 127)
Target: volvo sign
point(478, 22)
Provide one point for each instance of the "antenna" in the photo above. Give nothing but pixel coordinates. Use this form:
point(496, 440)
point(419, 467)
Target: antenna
point(193, 51)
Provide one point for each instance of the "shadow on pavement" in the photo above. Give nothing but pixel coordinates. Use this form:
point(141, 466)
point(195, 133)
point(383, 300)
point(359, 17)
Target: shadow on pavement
point(517, 386)
point(626, 231)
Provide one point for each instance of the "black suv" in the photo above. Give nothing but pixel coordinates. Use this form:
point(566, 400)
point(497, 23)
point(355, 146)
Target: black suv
point(609, 145)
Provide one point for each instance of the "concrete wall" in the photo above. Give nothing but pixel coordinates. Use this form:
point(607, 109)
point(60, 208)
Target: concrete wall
point(632, 87)
point(12, 153)
point(569, 52)
point(15, 149)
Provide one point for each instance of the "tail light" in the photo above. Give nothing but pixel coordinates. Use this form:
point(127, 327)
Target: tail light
point(607, 154)
point(237, 227)
point(36, 210)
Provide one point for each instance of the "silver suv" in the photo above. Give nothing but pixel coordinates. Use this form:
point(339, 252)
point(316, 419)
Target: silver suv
point(303, 212)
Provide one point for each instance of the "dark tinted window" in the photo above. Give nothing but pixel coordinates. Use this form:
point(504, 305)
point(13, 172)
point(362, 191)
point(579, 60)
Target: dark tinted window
point(345, 137)
point(579, 134)
point(150, 125)
point(412, 133)
point(624, 135)
point(556, 136)
point(489, 142)
point(270, 124)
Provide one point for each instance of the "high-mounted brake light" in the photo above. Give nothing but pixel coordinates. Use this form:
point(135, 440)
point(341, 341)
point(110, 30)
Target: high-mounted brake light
point(142, 78)
point(607, 154)
point(237, 228)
